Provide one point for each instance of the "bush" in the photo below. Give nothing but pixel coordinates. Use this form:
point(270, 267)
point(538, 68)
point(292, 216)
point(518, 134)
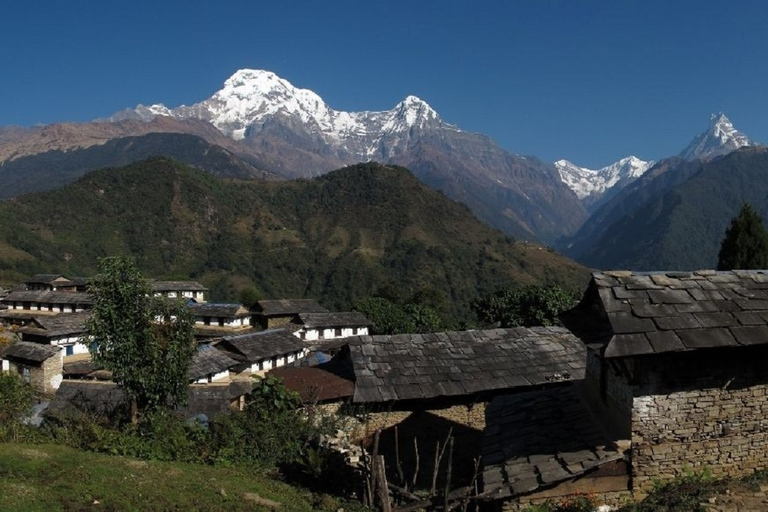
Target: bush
point(16, 399)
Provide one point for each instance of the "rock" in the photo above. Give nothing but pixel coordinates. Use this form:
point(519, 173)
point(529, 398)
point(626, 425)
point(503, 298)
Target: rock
point(255, 498)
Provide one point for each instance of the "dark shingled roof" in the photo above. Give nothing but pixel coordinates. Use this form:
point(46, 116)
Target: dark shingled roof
point(262, 345)
point(536, 439)
point(287, 307)
point(174, 286)
point(47, 279)
point(32, 352)
point(59, 325)
point(652, 313)
point(413, 366)
point(345, 319)
point(49, 297)
point(209, 360)
point(211, 309)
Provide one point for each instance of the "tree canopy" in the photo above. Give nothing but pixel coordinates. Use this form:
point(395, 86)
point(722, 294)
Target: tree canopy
point(745, 245)
point(145, 341)
point(528, 306)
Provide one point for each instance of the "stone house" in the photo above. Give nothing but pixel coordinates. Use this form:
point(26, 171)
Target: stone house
point(179, 289)
point(319, 327)
point(675, 366)
point(277, 313)
point(65, 331)
point(39, 365)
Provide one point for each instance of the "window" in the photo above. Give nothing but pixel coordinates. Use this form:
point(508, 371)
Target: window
point(337, 332)
point(25, 374)
point(354, 331)
point(69, 350)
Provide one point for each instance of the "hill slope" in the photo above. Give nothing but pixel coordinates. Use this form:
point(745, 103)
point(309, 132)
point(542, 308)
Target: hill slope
point(56, 168)
point(340, 237)
point(681, 229)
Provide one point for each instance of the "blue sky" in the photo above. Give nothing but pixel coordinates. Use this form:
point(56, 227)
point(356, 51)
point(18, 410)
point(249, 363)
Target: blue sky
point(588, 81)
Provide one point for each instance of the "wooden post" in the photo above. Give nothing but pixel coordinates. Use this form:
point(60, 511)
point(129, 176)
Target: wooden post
point(381, 480)
point(448, 473)
point(416, 469)
point(399, 466)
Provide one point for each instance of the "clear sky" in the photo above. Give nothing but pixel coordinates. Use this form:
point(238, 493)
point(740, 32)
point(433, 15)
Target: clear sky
point(588, 81)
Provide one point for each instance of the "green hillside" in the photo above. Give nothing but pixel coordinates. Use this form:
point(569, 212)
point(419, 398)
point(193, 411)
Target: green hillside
point(682, 228)
point(358, 231)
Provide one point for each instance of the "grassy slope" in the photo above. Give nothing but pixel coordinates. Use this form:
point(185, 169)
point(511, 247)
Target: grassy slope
point(340, 237)
point(48, 477)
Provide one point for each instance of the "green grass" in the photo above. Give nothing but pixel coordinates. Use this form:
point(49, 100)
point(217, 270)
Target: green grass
point(49, 477)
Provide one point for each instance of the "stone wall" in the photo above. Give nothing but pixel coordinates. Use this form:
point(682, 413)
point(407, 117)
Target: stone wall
point(472, 416)
point(699, 410)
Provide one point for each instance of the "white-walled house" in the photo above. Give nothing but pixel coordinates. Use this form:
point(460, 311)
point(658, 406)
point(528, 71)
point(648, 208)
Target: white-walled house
point(179, 289)
point(328, 326)
point(209, 365)
point(65, 331)
point(260, 352)
point(25, 304)
point(50, 282)
point(272, 314)
point(234, 316)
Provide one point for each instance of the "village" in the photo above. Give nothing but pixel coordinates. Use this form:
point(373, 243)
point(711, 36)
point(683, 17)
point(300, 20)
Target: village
point(653, 375)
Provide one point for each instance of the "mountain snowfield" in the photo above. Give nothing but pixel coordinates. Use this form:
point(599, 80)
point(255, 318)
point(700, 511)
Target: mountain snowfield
point(250, 98)
point(587, 182)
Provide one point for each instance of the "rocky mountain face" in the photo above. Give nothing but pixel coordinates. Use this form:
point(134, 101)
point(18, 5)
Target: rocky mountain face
point(720, 139)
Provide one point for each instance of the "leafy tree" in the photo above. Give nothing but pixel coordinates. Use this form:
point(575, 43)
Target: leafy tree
point(528, 306)
point(391, 318)
point(745, 245)
point(145, 341)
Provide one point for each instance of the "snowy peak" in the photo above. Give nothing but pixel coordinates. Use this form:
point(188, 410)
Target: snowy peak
point(251, 97)
point(593, 182)
point(720, 139)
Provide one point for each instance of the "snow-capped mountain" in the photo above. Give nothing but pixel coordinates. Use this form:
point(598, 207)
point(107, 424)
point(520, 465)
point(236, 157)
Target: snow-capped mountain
point(251, 99)
point(720, 139)
point(591, 185)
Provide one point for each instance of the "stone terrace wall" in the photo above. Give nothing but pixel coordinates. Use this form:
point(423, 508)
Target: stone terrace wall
point(696, 410)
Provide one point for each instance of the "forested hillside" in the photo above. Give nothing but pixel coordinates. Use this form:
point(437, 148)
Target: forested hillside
point(363, 230)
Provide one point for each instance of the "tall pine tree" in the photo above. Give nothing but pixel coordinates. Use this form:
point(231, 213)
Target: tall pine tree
point(745, 245)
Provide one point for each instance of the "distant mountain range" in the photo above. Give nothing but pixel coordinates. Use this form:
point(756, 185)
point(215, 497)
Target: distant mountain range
point(259, 126)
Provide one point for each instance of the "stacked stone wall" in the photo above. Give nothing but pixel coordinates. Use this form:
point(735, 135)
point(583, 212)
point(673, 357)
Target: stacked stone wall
point(699, 413)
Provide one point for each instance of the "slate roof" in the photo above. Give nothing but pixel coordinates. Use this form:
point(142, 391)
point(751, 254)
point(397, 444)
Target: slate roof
point(207, 361)
point(176, 286)
point(49, 297)
point(414, 366)
point(253, 347)
point(536, 439)
point(652, 313)
point(59, 325)
point(286, 307)
point(32, 352)
point(330, 320)
point(211, 309)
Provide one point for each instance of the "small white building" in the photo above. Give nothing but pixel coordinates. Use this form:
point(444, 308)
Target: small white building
point(318, 327)
point(229, 317)
point(179, 289)
point(209, 365)
point(22, 302)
